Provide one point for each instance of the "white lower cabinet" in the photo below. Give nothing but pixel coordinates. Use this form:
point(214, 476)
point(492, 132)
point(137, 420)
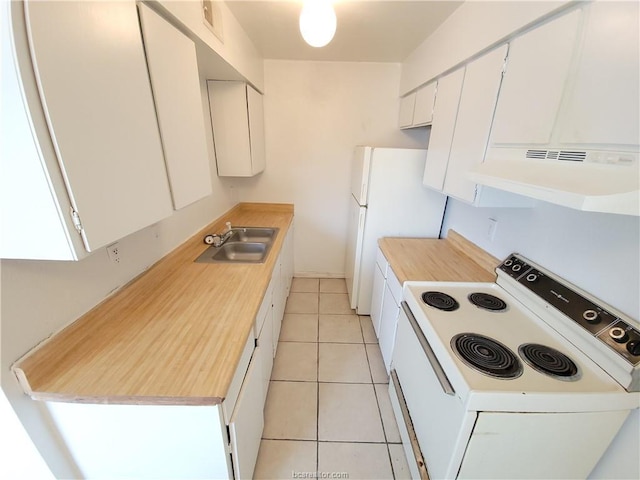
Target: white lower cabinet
point(279, 301)
point(282, 276)
point(264, 333)
point(389, 318)
point(379, 280)
point(385, 305)
point(247, 421)
point(376, 299)
point(185, 441)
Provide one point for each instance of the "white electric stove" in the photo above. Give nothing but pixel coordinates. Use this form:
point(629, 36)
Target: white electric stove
point(526, 378)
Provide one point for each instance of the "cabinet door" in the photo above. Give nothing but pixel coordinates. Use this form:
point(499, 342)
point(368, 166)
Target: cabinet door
point(405, 117)
point(445, 112)
point(229, 118)
point(99, 108)
point(279, 301)
point(265, 349)
point(376, 299)
point(475, 114)
point(602, 103)
point(287, 261)
point(247, 420)
point(173, 68)
point(256, 130)
point(425, 98)
point(388, 323)
point(534, 81)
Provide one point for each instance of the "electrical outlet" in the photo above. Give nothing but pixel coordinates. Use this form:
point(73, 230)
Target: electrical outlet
point(113, 251)
point(491, 229)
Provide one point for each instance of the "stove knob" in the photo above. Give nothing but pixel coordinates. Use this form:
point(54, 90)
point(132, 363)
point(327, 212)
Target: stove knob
point(517, 267)
point(508, 263)
point(591, 316)
point(634, 348)
point(619, 335)
point(532, 277)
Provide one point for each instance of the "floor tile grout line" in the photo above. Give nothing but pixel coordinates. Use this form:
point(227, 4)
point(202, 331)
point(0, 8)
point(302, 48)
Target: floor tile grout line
point(273, 439)
point(393, 470)
point(318, 382)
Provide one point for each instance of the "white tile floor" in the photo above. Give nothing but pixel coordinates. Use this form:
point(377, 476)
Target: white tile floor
point(328, 410)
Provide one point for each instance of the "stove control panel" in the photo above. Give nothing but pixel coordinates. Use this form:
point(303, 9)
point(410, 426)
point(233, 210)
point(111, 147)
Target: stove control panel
point(624, 339)
point(514, 267)
point(601, 323)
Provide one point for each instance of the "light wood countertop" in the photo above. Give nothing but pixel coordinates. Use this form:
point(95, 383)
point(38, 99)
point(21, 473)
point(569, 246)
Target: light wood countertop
point(452, 259)
point(174, 335)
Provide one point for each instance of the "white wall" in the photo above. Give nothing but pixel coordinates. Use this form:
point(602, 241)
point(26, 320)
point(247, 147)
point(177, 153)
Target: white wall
point(38, 298)
point(315, 114)
point(597, 252)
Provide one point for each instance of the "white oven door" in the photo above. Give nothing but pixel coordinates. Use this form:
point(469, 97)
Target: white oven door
point(437, 416)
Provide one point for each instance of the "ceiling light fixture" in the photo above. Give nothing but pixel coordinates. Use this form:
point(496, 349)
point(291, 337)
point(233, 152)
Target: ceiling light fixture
point(317, 22)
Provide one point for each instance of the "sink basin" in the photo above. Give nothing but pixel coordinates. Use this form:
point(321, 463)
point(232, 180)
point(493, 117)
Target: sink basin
point(254, 234)
point(236, 252)
point(246, 245)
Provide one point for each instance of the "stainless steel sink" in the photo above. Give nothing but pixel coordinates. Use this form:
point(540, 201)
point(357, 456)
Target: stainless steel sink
point(236, 252)
point(254, 234)
point(246, 245)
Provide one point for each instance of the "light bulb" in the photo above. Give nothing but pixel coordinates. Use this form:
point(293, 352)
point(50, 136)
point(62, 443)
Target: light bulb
point(317, 22)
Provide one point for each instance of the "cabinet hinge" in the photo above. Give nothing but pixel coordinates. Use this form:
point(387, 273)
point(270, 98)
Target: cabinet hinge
point(75, 217)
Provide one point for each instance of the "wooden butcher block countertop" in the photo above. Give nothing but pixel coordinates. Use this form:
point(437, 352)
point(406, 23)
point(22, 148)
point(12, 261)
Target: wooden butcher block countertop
point(174, 335)
point(452, 259)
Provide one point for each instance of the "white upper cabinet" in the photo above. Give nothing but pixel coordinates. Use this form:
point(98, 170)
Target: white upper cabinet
point(567, 127)
point(173, 68)
point(416, 109)
point(475, 114)
point(462, 117)
point(255, 108)
point(574, 82)
point(445, 112)
point(407, 105)
point(423, 111)
point(534, 81)
point(602, 101)
point(237, 117)
point(95, 141)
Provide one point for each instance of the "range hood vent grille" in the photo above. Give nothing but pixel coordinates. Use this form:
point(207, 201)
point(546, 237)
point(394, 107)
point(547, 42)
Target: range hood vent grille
point(565, 155)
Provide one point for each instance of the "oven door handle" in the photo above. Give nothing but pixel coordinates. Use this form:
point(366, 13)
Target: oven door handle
point(433, 360)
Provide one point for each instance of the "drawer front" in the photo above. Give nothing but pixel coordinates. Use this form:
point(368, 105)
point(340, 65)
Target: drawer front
point(394, 286)
point(382, 263)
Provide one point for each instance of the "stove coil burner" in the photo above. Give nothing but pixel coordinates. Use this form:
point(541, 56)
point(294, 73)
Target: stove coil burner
point(486, 355)
point(441, 301)
point(549, 361)
point(487, 301)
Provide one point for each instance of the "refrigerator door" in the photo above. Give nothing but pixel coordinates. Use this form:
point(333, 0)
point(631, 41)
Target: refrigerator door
point(355, 236)
point(360, 166)
point(398, 206)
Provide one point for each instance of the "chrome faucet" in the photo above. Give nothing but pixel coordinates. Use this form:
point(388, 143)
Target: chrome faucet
point(217, 240)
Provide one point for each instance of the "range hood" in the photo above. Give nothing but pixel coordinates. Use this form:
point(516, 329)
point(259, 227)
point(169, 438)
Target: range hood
point(590, 180)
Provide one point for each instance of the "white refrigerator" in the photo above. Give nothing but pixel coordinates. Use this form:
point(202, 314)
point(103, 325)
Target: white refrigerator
point(388, 199)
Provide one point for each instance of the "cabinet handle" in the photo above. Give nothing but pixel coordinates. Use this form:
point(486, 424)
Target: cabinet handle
point(433, 360)
point(406, 417)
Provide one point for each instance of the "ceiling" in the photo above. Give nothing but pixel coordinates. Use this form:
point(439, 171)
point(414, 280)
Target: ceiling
point(367, 31)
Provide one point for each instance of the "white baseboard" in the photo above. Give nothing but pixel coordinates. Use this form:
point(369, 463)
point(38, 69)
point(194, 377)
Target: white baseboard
point(318, 275)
